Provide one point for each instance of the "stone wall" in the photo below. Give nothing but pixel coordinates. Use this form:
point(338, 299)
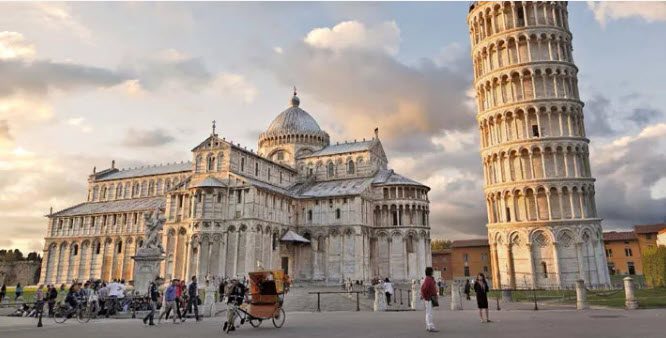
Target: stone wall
point(24, 272)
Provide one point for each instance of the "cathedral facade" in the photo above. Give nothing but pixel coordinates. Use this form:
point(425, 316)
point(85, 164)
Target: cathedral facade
point(543, 227)
point(322, 212)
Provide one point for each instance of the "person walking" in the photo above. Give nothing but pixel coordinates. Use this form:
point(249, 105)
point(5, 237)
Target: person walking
point(154, 297)
point(3, 292)
point(468, 289)
point(481, 290)
point(429, 296)
point(388, 287)
point(170, 301)
point(52, 296)
point(19, 292)
point(193, 301)
point(39, 299)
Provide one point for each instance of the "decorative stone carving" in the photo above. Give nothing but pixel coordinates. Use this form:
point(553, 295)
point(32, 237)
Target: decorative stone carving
point(416, 303)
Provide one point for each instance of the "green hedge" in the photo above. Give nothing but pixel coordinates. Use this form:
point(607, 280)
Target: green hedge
point(654, 266)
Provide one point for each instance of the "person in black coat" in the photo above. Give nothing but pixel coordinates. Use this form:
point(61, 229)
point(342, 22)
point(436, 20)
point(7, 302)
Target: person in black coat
point(481, 290)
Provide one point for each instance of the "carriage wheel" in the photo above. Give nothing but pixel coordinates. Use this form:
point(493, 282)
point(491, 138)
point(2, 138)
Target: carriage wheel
point(278, 319)
point(255, 322)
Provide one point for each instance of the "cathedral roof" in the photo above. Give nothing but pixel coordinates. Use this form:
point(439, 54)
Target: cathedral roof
point(293, 120)
point(342, 148)
point(126, 205)
point(209, 182)
point(345, 187)
point(389, 177)
point(170, 168)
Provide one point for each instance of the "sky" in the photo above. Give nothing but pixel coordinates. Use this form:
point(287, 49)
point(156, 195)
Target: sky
point(82, 84)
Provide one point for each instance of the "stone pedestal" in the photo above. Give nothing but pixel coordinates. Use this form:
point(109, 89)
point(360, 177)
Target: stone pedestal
point(416, 303)
point(456, 303)
point(630, 301)
point(581, 295)
point(146, 268)
point(380, 298)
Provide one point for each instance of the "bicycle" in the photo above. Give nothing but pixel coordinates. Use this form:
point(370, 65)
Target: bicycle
point(240, 317)
point(62, 312)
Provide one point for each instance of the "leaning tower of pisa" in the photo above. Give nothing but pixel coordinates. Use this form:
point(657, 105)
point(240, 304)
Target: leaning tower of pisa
point(543, 226)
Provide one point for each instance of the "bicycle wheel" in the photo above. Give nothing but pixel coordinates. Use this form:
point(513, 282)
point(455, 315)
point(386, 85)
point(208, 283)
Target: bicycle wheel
point(60, 314)
point(83, 314)
point(278, 319)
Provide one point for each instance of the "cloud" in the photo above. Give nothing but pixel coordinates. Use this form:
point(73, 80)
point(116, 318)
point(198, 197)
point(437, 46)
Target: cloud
point(384, 37)
point(50, 15)
point(605, 12)
point(366, 89)
point(235, 85)
point(644, 116)
point(168, 68)
point(14, 46)
point(174, 70)
point(146, 138)
point(597, 115)
point(39, 77)
point(627, 168)
point(79, 123)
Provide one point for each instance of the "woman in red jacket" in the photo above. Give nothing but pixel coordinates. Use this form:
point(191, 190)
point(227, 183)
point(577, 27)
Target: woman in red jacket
point(429, 295)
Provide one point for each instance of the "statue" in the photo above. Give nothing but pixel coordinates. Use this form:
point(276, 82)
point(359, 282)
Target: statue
point(154, 222)
point(151, 254)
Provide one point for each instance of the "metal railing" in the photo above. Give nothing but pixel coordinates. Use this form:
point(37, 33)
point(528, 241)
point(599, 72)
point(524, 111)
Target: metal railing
point(319, 293)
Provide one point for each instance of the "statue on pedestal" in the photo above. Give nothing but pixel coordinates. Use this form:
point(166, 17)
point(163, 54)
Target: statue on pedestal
point(154, 222)
point(151, 254)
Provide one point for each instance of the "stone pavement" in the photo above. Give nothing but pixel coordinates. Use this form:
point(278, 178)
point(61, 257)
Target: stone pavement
point(507, 324)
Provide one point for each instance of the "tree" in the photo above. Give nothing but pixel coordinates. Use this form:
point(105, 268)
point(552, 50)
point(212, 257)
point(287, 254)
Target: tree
point(654, 266)
point(440, 244)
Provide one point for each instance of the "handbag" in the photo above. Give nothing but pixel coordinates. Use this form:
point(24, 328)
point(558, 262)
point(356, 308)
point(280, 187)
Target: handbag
point(435, 301)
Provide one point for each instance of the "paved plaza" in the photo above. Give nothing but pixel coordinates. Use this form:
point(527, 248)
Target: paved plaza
point(513, 320)
point(516, 323)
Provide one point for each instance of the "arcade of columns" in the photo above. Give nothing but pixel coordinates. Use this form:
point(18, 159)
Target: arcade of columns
point(543, 228)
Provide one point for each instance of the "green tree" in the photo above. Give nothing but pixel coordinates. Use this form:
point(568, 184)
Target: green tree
point(654, 266)
point(439, 245)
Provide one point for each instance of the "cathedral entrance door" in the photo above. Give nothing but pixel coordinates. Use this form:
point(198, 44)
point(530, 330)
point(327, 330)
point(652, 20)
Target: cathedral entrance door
point(285, 265)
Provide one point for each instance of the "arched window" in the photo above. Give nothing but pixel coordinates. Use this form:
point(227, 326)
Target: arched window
point(98, 248)
point(337, 213)
point(242, 167)
point(331, 169)
point(275, 241)
point(211, 163)
point(76, 250)
point(310, 215)
point(544, 269)
point(103, 195)
point(120, 247)
point(350, 167)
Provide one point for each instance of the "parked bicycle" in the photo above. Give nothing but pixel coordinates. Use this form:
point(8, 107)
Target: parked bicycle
point(63, 312)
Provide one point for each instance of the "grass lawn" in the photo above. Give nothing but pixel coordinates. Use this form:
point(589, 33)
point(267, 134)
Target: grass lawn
point(647, 298)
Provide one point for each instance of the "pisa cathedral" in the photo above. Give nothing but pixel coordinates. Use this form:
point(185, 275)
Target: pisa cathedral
point(543, 226)
point(229, 209)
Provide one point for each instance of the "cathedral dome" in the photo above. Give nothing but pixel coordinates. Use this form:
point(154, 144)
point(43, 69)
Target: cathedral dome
point(293, 120)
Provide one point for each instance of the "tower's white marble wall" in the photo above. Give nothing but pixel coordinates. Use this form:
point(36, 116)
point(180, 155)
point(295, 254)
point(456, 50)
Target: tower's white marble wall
point(543, 226)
